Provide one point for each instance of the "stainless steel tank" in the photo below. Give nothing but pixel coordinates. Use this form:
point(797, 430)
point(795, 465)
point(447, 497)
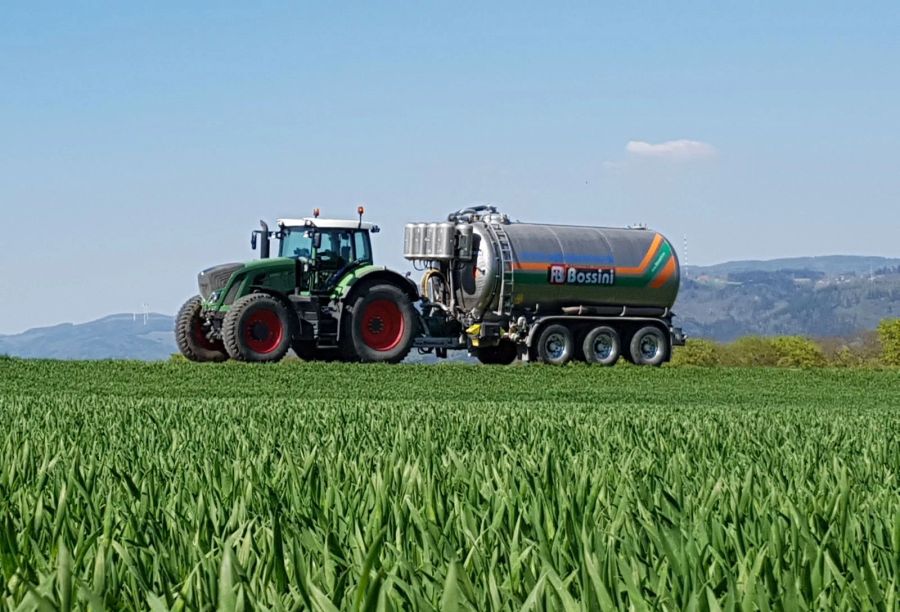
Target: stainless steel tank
point(555, 266)
point(429, 241)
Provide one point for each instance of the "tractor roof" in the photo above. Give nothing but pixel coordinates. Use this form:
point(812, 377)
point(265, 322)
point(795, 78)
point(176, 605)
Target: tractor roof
point(327, 223)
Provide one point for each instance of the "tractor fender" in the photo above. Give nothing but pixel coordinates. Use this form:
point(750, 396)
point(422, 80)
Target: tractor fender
point(369, 275)
point(278, 295)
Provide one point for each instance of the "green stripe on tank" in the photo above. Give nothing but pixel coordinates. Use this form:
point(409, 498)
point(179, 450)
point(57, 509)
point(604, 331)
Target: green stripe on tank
point(665, 251)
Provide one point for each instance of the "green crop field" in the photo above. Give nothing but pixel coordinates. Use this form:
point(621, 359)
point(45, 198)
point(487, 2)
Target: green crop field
point(298, 486)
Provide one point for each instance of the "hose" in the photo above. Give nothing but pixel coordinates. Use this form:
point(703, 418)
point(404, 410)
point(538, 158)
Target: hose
point(462, 213)
point(426, 278)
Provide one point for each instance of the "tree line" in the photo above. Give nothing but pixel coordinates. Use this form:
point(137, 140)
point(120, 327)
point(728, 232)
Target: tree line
point(875, 349)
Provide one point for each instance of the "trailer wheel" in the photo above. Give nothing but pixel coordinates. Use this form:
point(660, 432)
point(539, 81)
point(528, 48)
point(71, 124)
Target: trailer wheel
point(556, 345)
point(649, 346)
point(190, 334)
point(503, 353)
point(380, 326)
point(258, 327)
point(602, 346)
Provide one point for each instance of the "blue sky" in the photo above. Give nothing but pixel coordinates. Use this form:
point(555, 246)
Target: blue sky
point(141, 142)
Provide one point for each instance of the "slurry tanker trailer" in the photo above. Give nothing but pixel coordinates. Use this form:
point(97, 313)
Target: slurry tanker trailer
point(501, 290)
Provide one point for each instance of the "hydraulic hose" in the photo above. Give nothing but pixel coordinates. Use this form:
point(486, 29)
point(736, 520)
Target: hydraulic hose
point(426, 278)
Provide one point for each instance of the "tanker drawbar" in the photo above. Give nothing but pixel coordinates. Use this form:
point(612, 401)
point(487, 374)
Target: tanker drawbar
point(548, 292)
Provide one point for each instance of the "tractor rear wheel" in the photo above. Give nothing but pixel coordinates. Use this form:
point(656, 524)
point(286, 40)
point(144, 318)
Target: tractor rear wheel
point(258, 327)
point(503, 353)
point(190, 334)
point(380, 325)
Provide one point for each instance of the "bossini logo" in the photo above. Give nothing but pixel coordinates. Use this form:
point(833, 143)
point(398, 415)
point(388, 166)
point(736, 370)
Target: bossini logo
point(571, 275)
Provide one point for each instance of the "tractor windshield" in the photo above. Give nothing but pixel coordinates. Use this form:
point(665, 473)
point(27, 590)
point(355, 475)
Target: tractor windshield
point(338, 247)
point(297, 242)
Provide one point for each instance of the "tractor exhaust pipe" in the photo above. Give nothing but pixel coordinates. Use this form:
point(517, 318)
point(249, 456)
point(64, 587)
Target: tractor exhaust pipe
point(264, 240)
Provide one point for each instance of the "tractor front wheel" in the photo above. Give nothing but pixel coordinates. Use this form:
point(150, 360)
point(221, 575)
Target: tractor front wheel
point(191, 334)
point(258, 327)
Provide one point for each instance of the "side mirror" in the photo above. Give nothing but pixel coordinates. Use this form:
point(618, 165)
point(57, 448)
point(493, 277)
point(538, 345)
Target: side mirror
point(317, 240)
point(253, 240)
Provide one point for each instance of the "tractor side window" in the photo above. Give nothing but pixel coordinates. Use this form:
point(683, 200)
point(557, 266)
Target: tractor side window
point(363, 249)
point(337, 247)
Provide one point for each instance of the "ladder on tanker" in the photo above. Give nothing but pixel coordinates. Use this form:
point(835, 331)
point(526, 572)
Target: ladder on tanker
point(505, 255)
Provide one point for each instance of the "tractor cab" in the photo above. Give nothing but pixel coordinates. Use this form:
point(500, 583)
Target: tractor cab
point(325, 249)
point(327, 243)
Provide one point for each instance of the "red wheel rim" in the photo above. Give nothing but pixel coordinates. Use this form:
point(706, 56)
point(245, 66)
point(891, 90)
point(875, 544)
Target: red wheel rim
point(263, 331)
point(199, 335)
point(382, 325)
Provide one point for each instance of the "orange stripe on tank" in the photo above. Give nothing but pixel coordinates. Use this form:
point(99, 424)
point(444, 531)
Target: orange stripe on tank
point(654, 247)
point(636, 271)
point(664, 275)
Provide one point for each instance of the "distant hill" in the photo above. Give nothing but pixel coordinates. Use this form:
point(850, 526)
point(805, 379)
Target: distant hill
point(814, 296)
point(835, 296)
point(120, 336)
point(830, 265)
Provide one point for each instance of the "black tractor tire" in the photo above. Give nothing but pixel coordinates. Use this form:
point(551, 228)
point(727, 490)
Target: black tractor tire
point(503, 353)
point(556, 345)
point(258, 327)
point(379, 326)
point(190, 334)
point(649, 346)
point(602, 346)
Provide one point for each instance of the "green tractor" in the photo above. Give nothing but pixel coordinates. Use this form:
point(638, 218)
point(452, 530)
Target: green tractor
point(322, 296)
